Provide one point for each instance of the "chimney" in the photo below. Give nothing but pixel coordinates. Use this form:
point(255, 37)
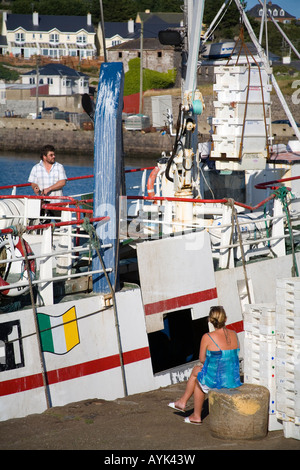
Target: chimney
point(89, 19)
point(35, 18)
point(130, 26)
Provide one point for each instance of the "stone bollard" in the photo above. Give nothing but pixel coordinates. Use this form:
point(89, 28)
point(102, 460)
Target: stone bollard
point(239, 413)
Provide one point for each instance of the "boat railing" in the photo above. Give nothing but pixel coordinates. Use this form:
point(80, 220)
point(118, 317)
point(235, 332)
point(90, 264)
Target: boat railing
point(56, 244)
point(237, 230)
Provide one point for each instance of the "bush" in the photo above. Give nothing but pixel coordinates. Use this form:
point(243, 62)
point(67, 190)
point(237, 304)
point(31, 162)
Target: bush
point(151, 78)
point(8, 74)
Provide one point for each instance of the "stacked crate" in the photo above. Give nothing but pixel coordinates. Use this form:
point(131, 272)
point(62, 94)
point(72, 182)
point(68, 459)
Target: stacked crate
point(287, 326)
point(242, 109)
point(260, 353)
point(272, 354)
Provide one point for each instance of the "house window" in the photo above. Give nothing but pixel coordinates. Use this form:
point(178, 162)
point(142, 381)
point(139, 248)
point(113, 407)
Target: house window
point(50, 81)
point(45, 51)
point(41, 82)
point(19, 37)
point(81, 39)
point(159, 54)
point(32, 81)
point(120, 55)
point(54, 38)
point(115, 43)
point(68, 37)
point(41, 36)
point(275, 12)
point(33, 36)
point(281, 12)
point(260, 12)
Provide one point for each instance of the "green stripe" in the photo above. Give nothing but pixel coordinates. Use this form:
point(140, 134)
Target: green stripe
point(46, 336)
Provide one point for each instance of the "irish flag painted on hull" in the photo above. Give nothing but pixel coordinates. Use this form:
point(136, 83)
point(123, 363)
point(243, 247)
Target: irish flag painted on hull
point(59, 334)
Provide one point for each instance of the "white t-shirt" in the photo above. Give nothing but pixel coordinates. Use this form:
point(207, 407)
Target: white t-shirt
point(40, 176)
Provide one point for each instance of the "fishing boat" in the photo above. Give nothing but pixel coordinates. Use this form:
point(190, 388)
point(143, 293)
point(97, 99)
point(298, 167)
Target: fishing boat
point(111, 298)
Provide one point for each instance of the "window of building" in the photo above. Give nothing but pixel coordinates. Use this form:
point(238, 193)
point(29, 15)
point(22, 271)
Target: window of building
point(120, 55)
point(275, 12)
point(282, 12)
point(54, 38)
point(20, 37)
point(45, 51)
point(50, 81)
point(32, 81)
point(115, 43)
point(159, 54)
point(81, 39)
point(260, 12)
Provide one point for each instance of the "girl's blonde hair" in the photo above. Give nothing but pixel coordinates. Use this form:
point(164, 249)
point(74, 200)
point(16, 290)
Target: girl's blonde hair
point(217, 316)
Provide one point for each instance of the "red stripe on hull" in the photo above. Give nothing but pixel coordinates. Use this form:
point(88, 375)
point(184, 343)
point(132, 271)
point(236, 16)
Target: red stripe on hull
point(23, 384)
point(181, 301)
point(238, 326)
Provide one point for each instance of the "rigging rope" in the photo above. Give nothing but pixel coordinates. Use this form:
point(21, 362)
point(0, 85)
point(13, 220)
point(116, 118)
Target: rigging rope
point(281, 194)
point(95, 243)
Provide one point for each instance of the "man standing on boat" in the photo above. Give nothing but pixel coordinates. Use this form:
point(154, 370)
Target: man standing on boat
point(48, 177)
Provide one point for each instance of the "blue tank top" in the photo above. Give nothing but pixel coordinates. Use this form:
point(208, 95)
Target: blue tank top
point(221, 368)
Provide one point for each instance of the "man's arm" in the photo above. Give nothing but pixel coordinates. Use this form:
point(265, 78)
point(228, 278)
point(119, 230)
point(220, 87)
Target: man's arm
point(35, 188)
point(59, 185)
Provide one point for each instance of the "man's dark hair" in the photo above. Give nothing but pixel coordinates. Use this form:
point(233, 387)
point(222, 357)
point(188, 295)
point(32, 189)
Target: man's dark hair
point(46, 149)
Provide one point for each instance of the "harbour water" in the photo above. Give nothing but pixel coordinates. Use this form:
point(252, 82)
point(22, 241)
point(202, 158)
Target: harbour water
point(15, 169)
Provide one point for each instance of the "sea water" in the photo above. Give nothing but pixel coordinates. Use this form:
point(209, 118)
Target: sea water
point(15, 169)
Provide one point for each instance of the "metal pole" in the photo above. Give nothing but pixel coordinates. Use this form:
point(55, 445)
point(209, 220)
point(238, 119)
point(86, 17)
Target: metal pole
point(141, 68)
point(103, 30)
point(37, 86)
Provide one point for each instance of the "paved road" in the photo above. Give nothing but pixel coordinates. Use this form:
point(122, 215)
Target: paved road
point(138, 422)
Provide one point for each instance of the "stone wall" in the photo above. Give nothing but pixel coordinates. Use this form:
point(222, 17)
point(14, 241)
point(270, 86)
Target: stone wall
point(22, 140)
point(24, 135)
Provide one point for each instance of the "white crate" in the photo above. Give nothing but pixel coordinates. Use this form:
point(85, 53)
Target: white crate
point(227, 111)
point(275, 423)
point(229, 147)
point(237, 76)
point(291, 430)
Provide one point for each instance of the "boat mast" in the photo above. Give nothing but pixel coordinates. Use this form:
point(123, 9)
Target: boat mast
point(265, 61)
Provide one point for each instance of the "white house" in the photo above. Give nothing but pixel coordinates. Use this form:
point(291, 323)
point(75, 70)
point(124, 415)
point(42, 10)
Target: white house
point(48, 35)
point(61, 80)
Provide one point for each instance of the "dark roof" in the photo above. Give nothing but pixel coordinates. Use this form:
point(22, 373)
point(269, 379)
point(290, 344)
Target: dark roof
point(152, 25)
point(254, 12)
point(56, 69)
point(63, 23)
point(148, 45)
point(167, 17)
point(155, 24)
point(114, 27)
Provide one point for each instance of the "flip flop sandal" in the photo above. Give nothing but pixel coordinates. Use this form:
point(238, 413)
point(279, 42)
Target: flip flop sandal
point(172, 405)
